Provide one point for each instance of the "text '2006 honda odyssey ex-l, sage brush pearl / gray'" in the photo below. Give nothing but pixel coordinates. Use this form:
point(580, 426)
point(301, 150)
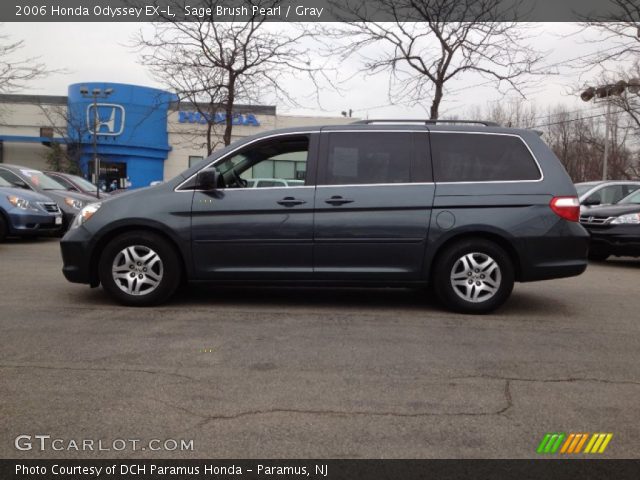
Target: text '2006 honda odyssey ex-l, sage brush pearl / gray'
point(466, 207)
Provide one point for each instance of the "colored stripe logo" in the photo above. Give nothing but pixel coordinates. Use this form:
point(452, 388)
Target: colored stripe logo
point(573, 443)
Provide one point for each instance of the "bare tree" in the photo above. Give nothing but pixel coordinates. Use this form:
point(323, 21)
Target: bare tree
point(445, 40)
point(15, 72)
point(214, 65)
point(621, 27)
point(69, 133)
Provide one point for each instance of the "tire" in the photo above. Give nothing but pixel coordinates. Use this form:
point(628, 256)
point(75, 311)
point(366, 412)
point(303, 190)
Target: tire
point(151, 259)
point(598, 257)
point(454, 269)
point(3, 228)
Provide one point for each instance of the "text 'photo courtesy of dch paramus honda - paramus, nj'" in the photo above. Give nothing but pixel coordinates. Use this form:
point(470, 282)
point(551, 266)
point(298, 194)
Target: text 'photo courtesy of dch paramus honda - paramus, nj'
point(466, 209)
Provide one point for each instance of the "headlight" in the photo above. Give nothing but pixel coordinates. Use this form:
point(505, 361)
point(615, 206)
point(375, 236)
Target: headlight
point(632, 218)
point(73, 203)
point(20, 202)
point(85, 214)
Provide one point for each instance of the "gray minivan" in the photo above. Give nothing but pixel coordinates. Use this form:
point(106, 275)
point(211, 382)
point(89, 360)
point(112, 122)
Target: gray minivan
point(465, 208)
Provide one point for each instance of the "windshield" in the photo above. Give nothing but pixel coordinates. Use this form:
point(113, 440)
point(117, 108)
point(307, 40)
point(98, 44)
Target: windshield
point(582, 189)
point(39, 180)
point(633, 198)
point(84, 184)
point(4, 183)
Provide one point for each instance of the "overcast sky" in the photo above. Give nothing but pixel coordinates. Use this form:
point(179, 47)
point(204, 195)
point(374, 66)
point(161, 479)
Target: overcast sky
point(99, 52)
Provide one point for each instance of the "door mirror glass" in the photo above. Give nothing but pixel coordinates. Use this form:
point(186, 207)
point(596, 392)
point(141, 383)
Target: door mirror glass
point(208, 179)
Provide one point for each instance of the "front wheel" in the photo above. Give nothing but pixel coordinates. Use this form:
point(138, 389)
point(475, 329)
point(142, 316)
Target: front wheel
point(3, 229)
point(598, 257)
point(473, 276)
point(139, 269)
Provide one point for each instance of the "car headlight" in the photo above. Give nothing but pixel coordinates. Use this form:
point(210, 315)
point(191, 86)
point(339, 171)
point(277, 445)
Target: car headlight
point(85, 214)
point(629, 218)
point(20, 202)
point(73, 203)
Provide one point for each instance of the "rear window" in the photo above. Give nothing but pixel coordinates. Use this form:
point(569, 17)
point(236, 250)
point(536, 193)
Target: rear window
point(468, 157)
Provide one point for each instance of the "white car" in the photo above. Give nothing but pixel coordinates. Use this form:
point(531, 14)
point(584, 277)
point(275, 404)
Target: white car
point(273, 182)
point(603, 192)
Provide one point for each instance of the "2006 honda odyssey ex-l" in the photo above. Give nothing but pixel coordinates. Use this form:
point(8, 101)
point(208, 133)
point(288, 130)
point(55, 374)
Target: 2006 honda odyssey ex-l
point(467, 208)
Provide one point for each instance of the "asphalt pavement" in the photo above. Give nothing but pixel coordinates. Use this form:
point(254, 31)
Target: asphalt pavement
point(313, 373)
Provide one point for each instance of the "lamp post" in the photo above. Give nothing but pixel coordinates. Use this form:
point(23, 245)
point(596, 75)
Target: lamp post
point(95, 94)
point(604, 92)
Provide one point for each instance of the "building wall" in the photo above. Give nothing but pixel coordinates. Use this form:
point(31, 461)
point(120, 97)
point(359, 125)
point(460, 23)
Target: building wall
point(24, 115)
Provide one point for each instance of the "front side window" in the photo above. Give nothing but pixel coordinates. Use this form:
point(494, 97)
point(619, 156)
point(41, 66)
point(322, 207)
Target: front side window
point(273, 162)
point(468, 157)
point(369, 158)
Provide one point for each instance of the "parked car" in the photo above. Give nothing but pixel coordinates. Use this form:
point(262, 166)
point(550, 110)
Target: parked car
point(608, 192)
point(26, 214)
point(467, 208)
point(31, 179)
point(74, 183)
point(614, 229)
point(272, 182)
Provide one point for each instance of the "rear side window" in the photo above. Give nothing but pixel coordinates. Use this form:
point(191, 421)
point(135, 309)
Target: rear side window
point(468, 157)
point(369, 158)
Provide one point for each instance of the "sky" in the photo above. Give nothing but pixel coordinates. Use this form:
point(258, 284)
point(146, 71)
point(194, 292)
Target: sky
point(101, 52)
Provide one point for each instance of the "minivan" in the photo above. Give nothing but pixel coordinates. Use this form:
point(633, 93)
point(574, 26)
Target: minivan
point(465, 207)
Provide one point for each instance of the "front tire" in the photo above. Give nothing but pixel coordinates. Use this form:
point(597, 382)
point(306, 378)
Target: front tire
point(139, 269)
point(473, 276)
point(3, 228)
point(598, 257)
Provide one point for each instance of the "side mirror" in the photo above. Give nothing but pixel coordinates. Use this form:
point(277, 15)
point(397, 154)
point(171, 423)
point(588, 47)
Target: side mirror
point(591, 201)
point(208, 179)
point(21, 184)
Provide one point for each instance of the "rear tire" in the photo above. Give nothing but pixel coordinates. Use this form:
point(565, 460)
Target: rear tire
point(139, 269)
point(598, 257)
point(473, 276)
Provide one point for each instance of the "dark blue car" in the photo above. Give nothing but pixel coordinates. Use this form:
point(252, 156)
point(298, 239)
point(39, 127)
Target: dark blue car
point(26, 214)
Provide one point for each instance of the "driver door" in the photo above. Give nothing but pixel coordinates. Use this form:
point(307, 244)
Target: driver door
point(243, 232)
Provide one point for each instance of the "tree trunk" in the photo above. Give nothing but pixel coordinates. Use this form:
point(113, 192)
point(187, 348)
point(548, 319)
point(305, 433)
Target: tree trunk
point(228, 108)
point(435, 104)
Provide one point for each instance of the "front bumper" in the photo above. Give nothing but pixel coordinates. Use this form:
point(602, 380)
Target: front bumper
point(76, 250)
point(25, 223)
point(618, 240)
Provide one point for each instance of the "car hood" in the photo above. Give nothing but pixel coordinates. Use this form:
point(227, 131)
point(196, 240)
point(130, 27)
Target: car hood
point(26, 194)
point(59, 195)
point(612, 210)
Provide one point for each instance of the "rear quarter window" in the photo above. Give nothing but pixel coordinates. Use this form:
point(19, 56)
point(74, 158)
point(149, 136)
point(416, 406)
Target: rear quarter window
point(469, 157)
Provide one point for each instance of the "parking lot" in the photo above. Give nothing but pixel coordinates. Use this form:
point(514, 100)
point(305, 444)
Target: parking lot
point(248, 372)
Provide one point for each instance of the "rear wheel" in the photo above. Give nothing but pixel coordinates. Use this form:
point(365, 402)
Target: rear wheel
point(473, 276)
point(598, 257)
point(139, 269)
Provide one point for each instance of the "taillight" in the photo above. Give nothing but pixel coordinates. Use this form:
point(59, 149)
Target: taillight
point(566, 207)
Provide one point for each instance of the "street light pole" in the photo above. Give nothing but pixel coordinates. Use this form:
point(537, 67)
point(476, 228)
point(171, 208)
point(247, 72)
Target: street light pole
point(607, 130)
point(96, 159)
point(94, 95)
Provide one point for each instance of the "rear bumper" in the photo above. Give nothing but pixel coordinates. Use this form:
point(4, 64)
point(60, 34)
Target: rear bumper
point(561, 253)
point(76, 256)
point(619, 240)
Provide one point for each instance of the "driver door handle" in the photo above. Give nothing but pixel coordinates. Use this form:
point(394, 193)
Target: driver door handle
point(337, 200)
point(290, 202)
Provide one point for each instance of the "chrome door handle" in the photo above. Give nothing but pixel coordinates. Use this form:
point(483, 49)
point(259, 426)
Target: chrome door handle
point(337, 200)
point(290, 202)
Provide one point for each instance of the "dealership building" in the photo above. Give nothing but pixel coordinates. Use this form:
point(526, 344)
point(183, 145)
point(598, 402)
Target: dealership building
point(143, 134)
